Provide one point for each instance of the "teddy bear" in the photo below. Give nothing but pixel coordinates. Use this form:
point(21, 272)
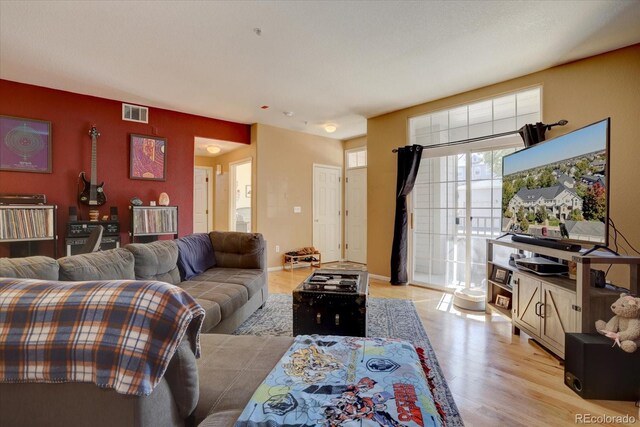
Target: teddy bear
point(624, 327)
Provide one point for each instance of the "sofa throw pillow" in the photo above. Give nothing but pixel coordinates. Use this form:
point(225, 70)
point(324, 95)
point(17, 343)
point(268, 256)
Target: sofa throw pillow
point(195, 255)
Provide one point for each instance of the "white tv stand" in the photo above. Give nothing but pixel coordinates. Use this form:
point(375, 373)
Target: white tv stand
point(546, 307)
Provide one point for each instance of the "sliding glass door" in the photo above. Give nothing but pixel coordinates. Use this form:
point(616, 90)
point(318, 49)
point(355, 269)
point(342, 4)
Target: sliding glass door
point(456, 207)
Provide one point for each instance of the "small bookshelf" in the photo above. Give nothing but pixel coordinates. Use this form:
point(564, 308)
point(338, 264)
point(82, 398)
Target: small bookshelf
point(149, 222)
point(29, 223)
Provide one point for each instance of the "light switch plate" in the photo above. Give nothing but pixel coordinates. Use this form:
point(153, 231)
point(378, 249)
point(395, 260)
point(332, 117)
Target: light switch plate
point(297, 209)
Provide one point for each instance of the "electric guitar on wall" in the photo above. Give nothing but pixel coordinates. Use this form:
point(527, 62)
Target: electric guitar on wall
point(92, 194)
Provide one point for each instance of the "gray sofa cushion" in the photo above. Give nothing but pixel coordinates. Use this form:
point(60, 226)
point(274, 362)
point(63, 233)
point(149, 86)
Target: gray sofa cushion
point(156, 261)
point(238, 364)
point(114, 264)
point(35, 267)
point(229, 296)
point(238, 250)
point(212, 314)
point(253, 279)
point(182, 376)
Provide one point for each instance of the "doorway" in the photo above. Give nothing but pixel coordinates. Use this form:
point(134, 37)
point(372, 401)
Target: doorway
point(202, 196)
point(327, 207)
point(356, 205)
point(240, 196)
point(456, 206)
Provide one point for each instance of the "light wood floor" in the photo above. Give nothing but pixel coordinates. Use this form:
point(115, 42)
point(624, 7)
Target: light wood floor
point(496, 378)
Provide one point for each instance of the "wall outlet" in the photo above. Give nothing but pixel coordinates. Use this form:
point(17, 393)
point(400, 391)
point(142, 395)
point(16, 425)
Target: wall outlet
point(277, 249)
point(297, 209)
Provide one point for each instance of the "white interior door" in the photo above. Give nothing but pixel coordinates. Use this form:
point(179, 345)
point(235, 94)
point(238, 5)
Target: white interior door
point(327, 198)
point(201, 199)
point(356, 215)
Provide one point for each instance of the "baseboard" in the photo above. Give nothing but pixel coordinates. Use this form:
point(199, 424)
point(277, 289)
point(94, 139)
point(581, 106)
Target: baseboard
point(278, 268)
point(378, 277)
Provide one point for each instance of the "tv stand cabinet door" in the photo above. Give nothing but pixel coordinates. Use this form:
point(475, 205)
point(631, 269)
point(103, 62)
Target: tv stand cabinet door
point(558, 315)
point(527, 300)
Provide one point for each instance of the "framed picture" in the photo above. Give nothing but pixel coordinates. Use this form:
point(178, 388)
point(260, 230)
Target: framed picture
point(247, 191)
point(148, 158)
point(25, 145)
point(502, 301)
point(500, 275)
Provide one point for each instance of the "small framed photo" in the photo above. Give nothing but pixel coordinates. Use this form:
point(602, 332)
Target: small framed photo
point(500, 275)
point(503, 301)
point(25, 145)
point(148, 158)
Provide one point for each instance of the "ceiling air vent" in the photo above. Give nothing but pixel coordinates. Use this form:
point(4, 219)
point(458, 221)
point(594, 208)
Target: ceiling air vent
point(135, 113)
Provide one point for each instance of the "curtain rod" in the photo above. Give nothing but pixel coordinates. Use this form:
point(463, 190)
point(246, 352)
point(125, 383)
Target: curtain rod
point(482, 138)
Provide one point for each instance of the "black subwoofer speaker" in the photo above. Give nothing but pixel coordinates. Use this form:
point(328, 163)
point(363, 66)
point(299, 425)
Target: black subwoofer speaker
point(596, 370)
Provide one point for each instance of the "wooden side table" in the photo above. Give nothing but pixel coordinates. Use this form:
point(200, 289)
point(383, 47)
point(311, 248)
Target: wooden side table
point(291, 260)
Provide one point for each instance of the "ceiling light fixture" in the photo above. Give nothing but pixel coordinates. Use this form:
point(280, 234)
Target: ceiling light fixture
point(330, 128)
point(213, 149)
point(258, 31)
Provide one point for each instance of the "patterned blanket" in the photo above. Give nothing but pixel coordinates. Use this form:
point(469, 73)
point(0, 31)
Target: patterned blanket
point(116, 334)
point(344, 381)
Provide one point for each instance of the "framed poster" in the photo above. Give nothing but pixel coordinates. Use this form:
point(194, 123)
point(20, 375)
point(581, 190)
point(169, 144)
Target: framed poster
point(148, 158)
point(25, 145)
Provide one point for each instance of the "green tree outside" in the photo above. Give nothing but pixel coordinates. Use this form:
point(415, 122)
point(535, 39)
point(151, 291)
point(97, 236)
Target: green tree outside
point(541, 215)
point(576, 215)
point(594, 207)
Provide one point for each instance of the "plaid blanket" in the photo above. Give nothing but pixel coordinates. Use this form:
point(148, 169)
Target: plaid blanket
point(117, 334)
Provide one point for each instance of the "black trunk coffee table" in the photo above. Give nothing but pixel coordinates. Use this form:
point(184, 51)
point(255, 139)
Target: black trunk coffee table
point(331, 302)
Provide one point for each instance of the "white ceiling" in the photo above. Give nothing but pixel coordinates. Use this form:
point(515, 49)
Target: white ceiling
point(201, 145)
point(326, 61)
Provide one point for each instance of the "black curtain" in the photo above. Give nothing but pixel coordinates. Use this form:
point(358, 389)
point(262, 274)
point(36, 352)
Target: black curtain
point(408, 164)
point(532, 134)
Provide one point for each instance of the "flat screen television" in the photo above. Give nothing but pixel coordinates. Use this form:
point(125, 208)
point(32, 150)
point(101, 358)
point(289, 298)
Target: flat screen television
point(559, 189)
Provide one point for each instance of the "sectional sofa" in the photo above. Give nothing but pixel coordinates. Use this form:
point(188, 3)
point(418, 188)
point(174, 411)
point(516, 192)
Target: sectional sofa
point(227, 277)
point(209, 391)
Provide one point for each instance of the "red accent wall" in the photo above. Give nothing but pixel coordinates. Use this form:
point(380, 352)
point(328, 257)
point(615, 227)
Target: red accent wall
point(71, 116)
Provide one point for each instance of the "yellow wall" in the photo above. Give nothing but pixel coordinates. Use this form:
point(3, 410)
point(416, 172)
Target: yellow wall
point(360, 141)
point(581, 92)
point(285, 179)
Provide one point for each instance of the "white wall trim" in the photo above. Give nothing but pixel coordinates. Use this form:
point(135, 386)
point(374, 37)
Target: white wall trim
point(278, 268)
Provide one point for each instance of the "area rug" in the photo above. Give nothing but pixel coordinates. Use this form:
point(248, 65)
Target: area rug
point(387, 318)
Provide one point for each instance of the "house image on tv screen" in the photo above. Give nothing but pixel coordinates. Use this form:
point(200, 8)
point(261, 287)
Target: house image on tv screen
point(545, 195)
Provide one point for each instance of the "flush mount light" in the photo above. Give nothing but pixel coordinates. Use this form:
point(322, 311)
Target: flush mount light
point(213, 149)
point(330, 128)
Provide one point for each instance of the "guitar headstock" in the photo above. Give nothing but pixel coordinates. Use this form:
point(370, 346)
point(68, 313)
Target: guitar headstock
point(93, 133)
